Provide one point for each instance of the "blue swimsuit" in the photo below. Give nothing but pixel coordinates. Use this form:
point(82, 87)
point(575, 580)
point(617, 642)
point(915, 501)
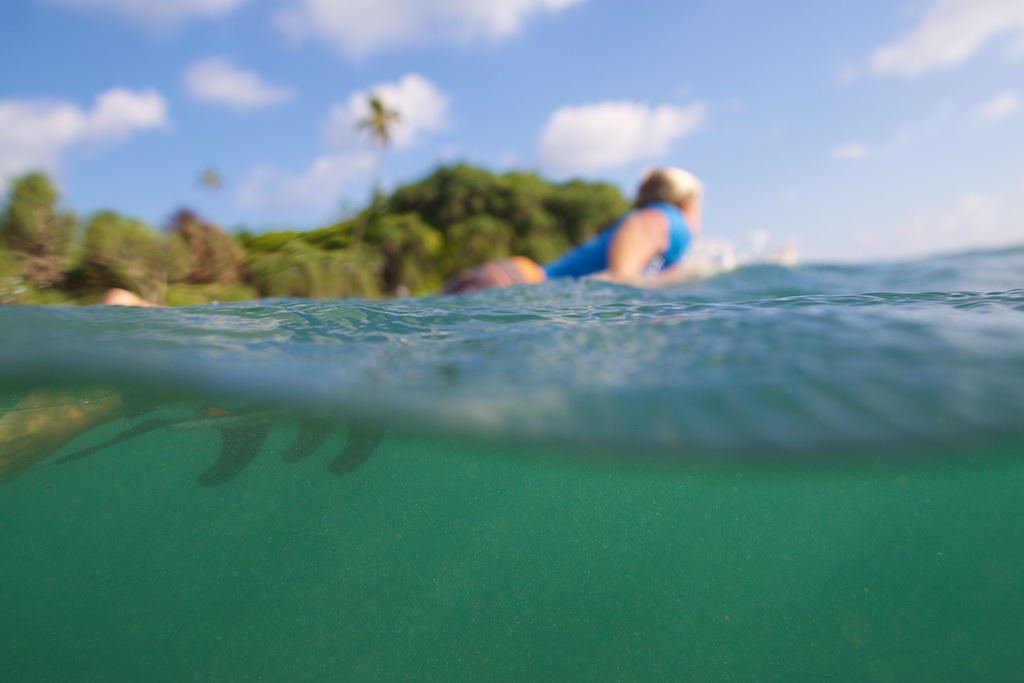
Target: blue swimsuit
point(592, 256)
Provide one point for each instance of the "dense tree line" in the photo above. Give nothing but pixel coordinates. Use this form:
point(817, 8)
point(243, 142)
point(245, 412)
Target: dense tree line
point(408, 242)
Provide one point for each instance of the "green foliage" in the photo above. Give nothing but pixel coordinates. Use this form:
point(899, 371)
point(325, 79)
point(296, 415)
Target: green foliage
point(380, 121)
point(33, 228)
point(118, 241)
point(9, 265)
point(15, 289)
point(537, 231)
point(337, 236)
point(268, 242)
point(409, 248)
point(197, 295)
point(127, 253)
point(520, 212)
point(583, 209)
point(211, 180)
point(414, 240)
point(475, 240)
point(42, 295)
point(12, 285)
point(215, 256)
point(300, 270)
point(30, 195)
point(448, 196)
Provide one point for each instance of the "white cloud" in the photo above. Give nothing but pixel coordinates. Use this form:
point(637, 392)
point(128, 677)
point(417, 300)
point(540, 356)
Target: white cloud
point(421, 106)
point(350, 165)
point(34, 134)
point(156, 13)
point(118, 113)
point(268, 190)
point(949, 33)
point(1002, 106)
point(853, 150)
point(594, 137)
point(358, 27)
point(218, 80)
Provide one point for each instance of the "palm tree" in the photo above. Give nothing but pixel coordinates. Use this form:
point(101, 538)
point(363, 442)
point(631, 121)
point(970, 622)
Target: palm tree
point(379, 123)
point(212, 182)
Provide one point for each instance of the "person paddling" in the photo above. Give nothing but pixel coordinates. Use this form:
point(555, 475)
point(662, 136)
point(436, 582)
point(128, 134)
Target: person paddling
point(645, 247)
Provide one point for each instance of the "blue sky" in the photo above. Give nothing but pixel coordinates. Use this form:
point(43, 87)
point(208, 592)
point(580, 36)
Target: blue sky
point(852, 131)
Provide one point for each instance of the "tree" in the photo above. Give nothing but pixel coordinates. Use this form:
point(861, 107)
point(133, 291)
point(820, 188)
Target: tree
point(212, 182)
point(525, 200)
point(38, 234)
point(409, 248)
point(379, 123)
point(479, 238)
point(123, 252)
point(450, 195)
point(298, 269)
point(583, 209)
point(12, 285)
point(215, 255)
point(458, 216)
point(481, 215)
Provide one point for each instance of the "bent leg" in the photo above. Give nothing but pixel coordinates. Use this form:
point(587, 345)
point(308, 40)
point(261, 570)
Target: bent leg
point(502, 273)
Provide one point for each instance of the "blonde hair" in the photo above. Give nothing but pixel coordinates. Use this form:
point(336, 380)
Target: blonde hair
point(671, 185)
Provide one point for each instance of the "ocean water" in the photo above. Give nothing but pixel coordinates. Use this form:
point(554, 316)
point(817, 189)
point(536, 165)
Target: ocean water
point(808, 473)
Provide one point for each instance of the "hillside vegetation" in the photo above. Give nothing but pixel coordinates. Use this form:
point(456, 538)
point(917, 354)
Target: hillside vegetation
point(410, 241)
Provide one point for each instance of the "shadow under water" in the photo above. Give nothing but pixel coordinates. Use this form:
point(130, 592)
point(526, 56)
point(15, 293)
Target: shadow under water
point(441, 558)
point(45, 420)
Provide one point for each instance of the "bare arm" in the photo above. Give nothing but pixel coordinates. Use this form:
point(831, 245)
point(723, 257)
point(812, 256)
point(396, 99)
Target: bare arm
point(694, 213)
point(640, 238)
point(681, 272)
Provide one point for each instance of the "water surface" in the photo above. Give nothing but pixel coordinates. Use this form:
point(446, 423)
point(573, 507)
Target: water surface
point(777, 474)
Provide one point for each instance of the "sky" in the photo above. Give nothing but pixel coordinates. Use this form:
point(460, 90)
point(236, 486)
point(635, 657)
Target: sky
point(859, 131)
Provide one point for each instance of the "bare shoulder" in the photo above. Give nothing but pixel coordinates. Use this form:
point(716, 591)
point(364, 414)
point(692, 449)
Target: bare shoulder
point(649, 223)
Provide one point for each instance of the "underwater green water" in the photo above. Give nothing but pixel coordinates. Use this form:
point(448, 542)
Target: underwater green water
point(444, 561)
point(776, 475)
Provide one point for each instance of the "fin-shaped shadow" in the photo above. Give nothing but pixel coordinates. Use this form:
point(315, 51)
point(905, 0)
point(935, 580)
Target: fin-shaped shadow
point(311, 436)
point(363, 438)
point(240, 445)
point(139, 429)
